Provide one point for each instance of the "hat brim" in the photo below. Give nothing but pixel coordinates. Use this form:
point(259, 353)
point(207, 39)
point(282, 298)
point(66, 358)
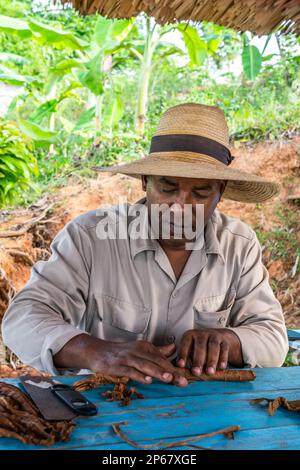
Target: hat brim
point(241, 186)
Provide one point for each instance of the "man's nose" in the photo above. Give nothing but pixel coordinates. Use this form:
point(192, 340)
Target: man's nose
point(181, 199)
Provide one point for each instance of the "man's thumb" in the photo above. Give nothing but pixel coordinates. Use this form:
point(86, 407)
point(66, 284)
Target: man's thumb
point(167, 349)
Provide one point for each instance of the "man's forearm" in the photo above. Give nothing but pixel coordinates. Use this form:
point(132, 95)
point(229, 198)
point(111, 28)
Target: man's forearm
point(235, 357)
point(78, 353)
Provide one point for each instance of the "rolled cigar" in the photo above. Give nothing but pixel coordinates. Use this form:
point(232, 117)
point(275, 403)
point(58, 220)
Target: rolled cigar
point(228, 375)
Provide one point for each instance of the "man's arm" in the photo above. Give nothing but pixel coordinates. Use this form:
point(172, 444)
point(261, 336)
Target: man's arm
point(139, 360)
point(41, 324)
point(256, 335)
point(256, 316)
point(45, 314)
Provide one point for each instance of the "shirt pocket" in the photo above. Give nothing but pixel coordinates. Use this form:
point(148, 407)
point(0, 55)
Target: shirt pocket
point(121, 320)
point(214, 311)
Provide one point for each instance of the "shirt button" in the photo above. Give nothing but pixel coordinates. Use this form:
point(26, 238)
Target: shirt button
point(174, 294)
point(171, 339)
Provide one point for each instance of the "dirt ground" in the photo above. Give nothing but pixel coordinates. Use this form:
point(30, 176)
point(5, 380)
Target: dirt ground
point(26, 234)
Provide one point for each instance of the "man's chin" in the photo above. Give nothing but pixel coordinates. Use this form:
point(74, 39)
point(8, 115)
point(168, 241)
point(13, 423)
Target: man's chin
point(175, 241)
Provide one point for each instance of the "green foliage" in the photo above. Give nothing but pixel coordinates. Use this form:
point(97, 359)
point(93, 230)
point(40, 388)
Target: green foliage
point(252, 61)
point(58, 38)
point(17, 163)
point(283, 241)
point(84, 80)
point(109, 34)
point(197, 47)
point(92, 76)
point(41, 137)
point(15, 26)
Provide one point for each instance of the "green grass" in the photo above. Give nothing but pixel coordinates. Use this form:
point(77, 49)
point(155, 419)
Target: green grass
point(283, 241)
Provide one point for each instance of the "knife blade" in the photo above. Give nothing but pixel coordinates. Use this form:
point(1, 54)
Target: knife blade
point(56, 401)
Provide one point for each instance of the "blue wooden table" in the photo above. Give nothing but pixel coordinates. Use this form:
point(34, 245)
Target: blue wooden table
point(169, 413)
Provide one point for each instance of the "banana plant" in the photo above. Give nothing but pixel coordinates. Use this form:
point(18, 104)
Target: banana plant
point(87, 65)
point(46, 36)
point(251, 58)
point(90, 68)
point(149, 48)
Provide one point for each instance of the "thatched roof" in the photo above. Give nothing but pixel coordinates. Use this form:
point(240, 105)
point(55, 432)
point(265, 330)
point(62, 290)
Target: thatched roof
point(258, 16)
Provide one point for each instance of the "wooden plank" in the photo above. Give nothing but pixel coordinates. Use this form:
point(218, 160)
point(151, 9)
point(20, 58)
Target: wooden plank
point(293, 335)
point(171, 412)
point(268, 379)
point(175, 418)
point(281, 438)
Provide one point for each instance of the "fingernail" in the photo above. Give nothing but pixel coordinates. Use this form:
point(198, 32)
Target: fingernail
point(196, 370)
point(211, 370)
point(223, 365)
point(181, 362)
point(182, 381)
point(167, 376)
point(148, 378)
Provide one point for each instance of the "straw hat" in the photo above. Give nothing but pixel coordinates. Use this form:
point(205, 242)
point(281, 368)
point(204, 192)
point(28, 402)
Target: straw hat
point(192, 141)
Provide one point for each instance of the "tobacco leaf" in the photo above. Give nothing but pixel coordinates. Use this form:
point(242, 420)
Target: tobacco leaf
point(122, 394)
point(18, 397)
point(95, 380)
point(274, 404)
point(227, 432)
point(20, 419)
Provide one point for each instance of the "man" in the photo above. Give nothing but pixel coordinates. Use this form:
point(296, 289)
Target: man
point(139, 306)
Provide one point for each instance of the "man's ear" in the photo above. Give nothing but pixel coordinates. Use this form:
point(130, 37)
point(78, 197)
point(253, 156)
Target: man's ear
point(144, 182)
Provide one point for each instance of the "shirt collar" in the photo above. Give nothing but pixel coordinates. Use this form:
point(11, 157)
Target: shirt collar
point(211, 246)
point(141, 244)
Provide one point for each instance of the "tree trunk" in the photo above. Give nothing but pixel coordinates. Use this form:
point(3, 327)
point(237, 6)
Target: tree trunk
point(145, 74)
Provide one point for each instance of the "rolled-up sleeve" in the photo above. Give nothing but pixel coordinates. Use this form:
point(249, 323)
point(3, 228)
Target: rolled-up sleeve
point(45, 315)
point(256, 316)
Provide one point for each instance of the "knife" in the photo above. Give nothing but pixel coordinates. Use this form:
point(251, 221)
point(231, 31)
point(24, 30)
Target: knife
point(56, 401)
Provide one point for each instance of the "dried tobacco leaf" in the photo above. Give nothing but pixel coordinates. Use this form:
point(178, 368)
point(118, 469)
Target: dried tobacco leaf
point(95, 380)
point(123, 394)
point(227, 432)
point(20, 419)
point(274, 404)
point(229, 375)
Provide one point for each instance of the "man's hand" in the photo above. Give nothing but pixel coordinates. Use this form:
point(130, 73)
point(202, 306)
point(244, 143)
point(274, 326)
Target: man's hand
point(209, 350)
point(138, 360)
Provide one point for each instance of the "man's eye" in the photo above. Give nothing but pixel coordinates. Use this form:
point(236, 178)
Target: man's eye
point(168, 191)
point(200, 196)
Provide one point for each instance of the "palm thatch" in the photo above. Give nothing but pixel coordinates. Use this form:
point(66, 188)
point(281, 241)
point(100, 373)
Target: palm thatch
point(258, 16)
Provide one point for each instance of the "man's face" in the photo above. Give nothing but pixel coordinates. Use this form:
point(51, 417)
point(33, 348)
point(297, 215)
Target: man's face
point(172, 190)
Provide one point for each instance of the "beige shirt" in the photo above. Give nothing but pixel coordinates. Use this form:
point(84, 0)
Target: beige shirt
point(126, 290)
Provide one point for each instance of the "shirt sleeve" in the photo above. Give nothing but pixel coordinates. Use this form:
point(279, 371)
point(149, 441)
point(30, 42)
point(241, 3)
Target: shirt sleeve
point(256, 316)
point(45, 315)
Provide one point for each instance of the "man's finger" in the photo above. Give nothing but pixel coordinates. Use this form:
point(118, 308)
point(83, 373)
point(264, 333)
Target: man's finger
point(167, 349)
point(134, 374)
point(213, 353)
point(199, 354)
point(164, 365)
point(223, 357)
point(184, 349)
point(149, 368)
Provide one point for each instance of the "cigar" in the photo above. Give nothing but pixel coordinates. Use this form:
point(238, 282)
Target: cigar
point(228, 375)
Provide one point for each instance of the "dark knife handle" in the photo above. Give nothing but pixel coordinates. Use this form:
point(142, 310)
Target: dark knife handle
point(75, 400)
